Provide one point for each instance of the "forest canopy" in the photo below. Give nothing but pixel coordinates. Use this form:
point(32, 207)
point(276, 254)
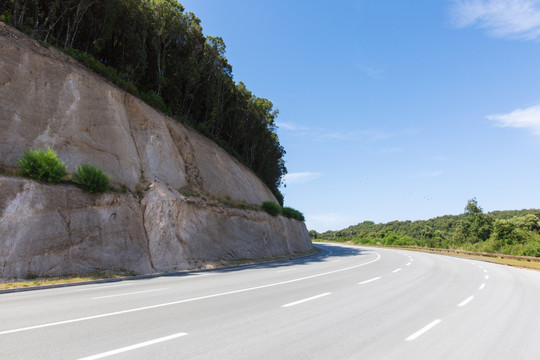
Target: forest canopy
point(157, 51)
point(513, 232)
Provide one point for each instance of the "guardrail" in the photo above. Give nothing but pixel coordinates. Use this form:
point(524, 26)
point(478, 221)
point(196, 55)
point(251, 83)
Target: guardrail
point(500, 256)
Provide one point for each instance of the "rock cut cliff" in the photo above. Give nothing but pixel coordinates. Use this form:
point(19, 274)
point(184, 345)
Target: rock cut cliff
point(49, 100)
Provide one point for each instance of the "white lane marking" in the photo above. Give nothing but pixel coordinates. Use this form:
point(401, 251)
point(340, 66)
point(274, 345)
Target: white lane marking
point(407, 264)
point(370, 280)
point(133, 347)
point(126, 294)
point(466, 301)
point(423, 330)
point(305, 300)
point(485, 270)
point(335, 261)
point(482, 286)
point(187, 300)
point(395, 271)
point(281, 271)
point(101, 287)
point(487, 277)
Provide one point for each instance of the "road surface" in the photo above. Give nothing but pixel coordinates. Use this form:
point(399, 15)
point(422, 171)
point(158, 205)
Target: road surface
point(343, 303)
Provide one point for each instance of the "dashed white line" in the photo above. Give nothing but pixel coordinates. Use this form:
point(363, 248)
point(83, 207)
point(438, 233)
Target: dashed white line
point(487, 277)
point(126, 294)
point(395, 271)
point(368, 281)
point(133, 347)
point(407, 264)
point(485, 271)
point(482, 286)
point(305, 300)
point(423, 330)
point(466, 301)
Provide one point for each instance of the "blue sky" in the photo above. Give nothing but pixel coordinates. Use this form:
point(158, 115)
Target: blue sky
point(393, 110)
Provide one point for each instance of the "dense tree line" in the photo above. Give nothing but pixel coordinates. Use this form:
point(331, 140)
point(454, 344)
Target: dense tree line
point(156, 50)
point(507, 232)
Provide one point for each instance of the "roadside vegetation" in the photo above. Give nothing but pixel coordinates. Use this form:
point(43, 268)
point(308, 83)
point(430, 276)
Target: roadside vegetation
point(45, 166)
point(158, 52)
point(499, 232)
point(42, 165)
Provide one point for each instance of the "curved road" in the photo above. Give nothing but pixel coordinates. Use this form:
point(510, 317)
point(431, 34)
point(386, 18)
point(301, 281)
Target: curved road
point(344, 303)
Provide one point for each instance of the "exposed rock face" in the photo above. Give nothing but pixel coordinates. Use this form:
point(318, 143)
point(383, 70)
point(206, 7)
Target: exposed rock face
point(49, 100)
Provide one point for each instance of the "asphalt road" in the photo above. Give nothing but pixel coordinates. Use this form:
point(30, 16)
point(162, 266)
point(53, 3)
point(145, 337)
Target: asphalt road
point(343, 303)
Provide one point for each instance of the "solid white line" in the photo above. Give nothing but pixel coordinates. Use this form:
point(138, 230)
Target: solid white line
point(368, 281)
point(280, 271)
point(466, 301)
point(482, 286)
point(335, 261)
point(423, 330)
point(133, 347)
point(186, 300)
point(126, 294)
point(395, 271)
point(102, 287)
point(305, 300)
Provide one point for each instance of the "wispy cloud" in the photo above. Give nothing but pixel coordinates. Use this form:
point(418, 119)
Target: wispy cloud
point(528, 118)
point(377, 74)
point(300, 177)
point(515, 19)
point(370, 135)
point(328, 221)
point(291, 126)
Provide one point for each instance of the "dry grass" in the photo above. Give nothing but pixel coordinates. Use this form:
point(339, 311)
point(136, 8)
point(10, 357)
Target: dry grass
point(62, 280)
point(510, 262)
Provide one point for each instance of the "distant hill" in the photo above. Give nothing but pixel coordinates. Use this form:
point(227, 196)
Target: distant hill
point(515, 232)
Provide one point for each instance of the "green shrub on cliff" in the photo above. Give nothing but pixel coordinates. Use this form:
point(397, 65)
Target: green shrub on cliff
point(293, 214)
point(92, 179)
point(42, 166)
point(272, 208)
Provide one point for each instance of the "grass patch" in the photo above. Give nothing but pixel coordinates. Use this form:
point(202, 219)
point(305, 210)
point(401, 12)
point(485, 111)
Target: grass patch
point(42, 165)
point(92, 179)
point(272, 208)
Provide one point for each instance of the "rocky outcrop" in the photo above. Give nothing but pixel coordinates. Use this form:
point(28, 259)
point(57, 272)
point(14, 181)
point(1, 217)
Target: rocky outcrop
point(49, 100)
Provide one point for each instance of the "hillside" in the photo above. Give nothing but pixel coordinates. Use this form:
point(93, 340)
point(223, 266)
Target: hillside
point(158, 52)
point(169, 211)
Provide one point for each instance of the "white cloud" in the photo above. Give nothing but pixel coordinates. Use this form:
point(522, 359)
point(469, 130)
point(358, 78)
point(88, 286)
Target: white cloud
point(290, 126)
point(369, 135)
point(300, 177)
point(528, 118)
point(377, 74)
point(328, 221)
point(515, 19)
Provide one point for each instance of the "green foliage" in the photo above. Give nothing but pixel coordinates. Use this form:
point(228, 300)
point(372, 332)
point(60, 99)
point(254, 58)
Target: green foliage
point(507, 232)
point(293, 214)
point(42, 166)
point(272, 208)
point(157, 51)
point(92, 179)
